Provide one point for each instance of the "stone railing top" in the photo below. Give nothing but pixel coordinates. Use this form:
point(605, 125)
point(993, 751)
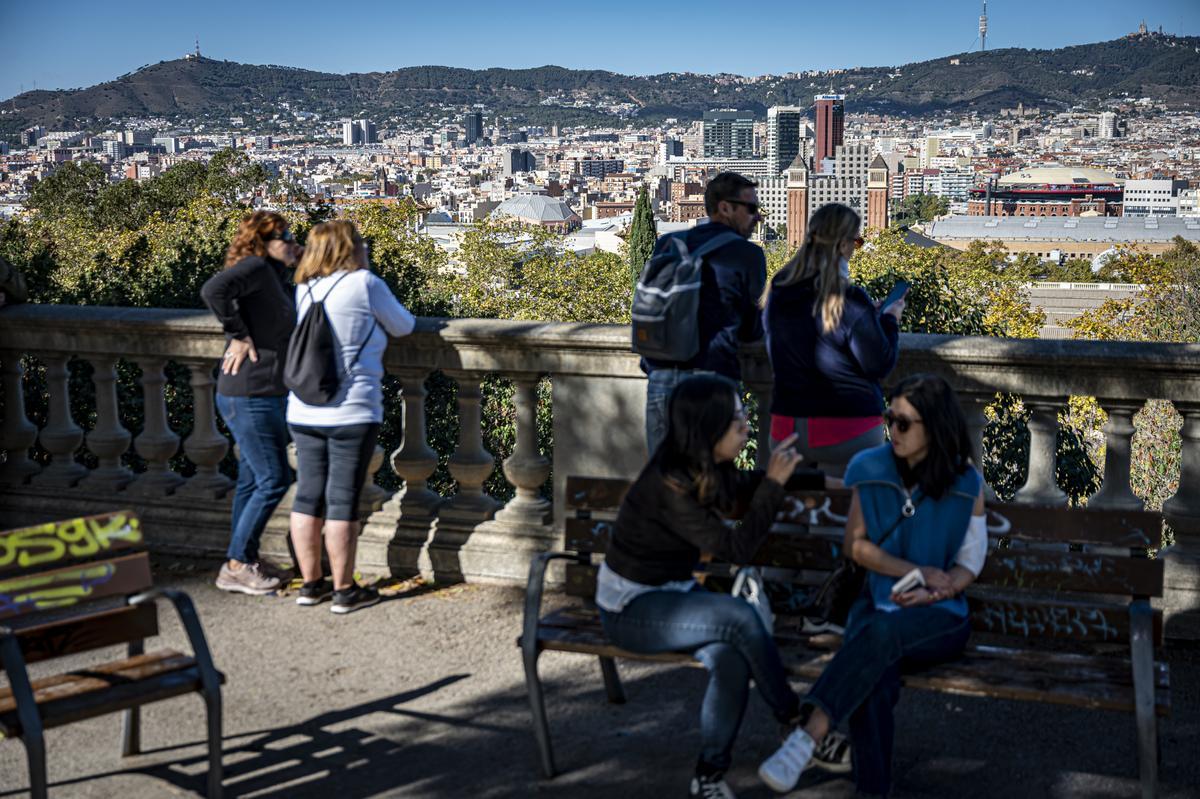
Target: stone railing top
point(1052, 368)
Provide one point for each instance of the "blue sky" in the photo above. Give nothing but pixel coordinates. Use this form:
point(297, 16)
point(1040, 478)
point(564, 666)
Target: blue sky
point(75, 43)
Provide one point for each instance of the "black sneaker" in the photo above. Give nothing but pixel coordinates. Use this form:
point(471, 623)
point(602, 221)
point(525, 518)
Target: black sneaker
point(833, 753)
point(710, 786)
point(354, 598)
point(314, 593)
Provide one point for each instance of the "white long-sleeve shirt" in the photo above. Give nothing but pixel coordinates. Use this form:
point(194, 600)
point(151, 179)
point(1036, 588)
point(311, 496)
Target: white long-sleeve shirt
point(360, 298)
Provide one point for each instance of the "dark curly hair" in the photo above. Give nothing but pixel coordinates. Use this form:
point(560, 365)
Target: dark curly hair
point(255, 230)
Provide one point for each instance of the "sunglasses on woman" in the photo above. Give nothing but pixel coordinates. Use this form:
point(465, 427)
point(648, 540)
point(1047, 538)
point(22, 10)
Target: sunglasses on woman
point(901, 423)
point(284, 236)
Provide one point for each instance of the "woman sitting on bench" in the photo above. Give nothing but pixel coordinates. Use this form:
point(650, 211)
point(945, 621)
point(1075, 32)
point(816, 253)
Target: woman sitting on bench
point(648, 599)
point(917, 507)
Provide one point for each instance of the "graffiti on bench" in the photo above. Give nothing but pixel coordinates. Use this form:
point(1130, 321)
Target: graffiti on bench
point(76, 538)
point(52, 590)
point(1046, 621)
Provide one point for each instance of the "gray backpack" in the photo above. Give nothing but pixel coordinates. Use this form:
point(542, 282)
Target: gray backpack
point(666, 302)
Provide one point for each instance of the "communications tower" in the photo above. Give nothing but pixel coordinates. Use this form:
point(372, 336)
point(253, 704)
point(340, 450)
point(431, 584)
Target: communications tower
point(983, 28)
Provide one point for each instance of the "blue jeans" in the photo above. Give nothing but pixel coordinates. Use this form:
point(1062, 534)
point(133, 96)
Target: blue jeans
point(659, 385)
point(259, 427)
point(727, 636)
point(862, 682)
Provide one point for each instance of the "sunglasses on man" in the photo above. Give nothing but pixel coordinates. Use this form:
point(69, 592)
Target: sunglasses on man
point(751, 208)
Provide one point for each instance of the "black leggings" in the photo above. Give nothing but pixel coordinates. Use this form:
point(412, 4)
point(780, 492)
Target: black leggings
point(332, 463)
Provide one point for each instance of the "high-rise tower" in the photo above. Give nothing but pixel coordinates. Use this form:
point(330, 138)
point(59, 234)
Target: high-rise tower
point(785, 124)
point(831, 122)
point(983, 28)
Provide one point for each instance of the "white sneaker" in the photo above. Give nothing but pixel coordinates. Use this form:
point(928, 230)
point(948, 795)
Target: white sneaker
point(782, 770)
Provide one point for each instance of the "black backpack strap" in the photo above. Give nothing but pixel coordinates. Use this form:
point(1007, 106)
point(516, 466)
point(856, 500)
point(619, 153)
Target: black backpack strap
point(361, 347)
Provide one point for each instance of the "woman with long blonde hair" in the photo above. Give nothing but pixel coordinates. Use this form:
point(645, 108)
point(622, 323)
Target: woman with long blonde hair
point(252, 298)
point(829, 345)
point(335, 441)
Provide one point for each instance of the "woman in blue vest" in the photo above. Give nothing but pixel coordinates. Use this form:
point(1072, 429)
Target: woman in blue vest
point(922, 498)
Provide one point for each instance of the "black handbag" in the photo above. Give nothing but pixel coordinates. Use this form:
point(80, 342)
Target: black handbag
point(841, 589)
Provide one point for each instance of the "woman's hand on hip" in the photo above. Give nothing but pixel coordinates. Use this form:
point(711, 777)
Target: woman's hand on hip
point(784, 459)
point(236, 353)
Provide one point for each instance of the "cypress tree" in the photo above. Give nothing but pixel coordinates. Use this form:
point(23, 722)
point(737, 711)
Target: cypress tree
point(642, 234)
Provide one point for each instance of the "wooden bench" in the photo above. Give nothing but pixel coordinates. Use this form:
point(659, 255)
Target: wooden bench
point(1061, 612)
point(78, 585)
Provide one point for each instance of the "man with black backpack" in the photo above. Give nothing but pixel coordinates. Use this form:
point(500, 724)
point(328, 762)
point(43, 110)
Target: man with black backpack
point(683, 325)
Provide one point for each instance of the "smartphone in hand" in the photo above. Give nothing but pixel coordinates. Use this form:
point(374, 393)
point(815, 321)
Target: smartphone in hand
point(898, 291)
point(911, 581)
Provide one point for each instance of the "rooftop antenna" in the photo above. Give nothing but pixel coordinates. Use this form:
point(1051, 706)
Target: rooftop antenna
point(983, 28)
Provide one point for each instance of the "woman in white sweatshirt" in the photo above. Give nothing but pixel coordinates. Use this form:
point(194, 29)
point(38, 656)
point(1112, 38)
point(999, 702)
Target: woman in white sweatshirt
point(335, 441)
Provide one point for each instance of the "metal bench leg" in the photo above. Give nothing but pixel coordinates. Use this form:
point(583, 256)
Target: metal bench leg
point(1142, 651)
point(13, 663)
point(35, 754)
point(612, 681)
point(537, 706)
point(131, 727)
point(212, 701)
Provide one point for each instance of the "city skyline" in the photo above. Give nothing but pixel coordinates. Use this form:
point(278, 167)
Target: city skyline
point(90, 46)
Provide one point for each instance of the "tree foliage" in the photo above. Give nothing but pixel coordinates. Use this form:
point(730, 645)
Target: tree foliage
point(918, 208)
point(642, 234)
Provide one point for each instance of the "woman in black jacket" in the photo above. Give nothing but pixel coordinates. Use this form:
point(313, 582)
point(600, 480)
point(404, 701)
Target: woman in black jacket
point(648, 599)
point(254, 300)
point(829, 346)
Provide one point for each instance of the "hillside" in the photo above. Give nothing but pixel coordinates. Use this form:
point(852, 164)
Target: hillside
point(1164, 68)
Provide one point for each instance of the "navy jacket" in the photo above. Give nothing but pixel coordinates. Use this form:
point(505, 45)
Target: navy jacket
point(828, 374)
point(731, 283)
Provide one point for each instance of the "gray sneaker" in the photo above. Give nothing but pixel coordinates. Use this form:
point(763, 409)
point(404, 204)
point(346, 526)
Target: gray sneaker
point(250, 579)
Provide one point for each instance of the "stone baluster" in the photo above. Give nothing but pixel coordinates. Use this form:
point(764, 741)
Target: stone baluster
point(406, 519)
point(1118, 433)
point(471, 463)
point(974, 405)
point(373, 495)
point(1183, 509)
point(414, 461)
point(157, 443)
point(205, 447)
point(1041, 486)
point(18, 432)
point(60, 437)
point(109, 439)
point(527, 469)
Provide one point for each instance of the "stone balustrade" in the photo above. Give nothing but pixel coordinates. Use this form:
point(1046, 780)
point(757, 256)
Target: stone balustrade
point(598, 394)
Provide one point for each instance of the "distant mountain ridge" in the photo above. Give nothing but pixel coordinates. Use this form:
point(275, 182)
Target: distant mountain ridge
point(1164, 68)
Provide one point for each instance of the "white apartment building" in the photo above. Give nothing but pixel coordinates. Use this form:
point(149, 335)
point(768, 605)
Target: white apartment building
point(1156, 197)
point(772, 198)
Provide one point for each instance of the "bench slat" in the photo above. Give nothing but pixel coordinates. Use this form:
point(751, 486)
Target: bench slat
point(986, 671)
point(34, 549)
point(595, 493)
point(1018, 616)
point(1081, 572)
point(65, 698)
point(82, 633)
point(74, 585)
point(1119, 528)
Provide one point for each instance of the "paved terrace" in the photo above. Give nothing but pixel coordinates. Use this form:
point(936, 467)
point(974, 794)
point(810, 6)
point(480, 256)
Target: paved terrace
point(423, 697)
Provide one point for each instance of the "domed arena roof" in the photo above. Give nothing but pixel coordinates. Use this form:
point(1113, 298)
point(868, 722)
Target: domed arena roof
point(1057, 176)
point(535, 209)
